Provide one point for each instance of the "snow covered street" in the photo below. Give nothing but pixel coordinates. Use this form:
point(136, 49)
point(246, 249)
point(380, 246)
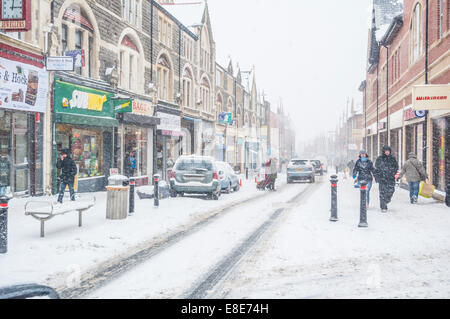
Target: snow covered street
point(249, 244)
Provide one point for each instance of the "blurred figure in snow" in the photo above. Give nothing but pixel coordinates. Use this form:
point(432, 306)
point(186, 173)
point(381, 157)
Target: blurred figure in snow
point(363, 171)
point(415, 173)
point(386, 167)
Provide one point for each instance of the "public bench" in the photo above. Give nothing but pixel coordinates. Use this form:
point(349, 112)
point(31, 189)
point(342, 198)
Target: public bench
point(47, 210)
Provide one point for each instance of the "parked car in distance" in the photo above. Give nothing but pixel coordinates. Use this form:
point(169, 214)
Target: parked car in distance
point(195, 175)
point(300, 169)
point(228, 179)
point(318, 168)
point(324, 161)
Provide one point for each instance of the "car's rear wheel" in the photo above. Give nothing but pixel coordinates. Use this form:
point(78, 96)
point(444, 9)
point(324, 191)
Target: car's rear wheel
point(228, 191)
point(173, 193)
point(236, 188)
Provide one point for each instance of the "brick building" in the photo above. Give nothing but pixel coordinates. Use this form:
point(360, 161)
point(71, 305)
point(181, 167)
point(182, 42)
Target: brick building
point(399, 58)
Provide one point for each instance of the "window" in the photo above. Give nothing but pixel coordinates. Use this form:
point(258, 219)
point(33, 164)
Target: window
point(64, 38)
point(416, 34)
point(163, 78)
point(205, 95)
point(78, 46)
point(187, 88)
point(441, 18)
point(219, 78)
point(131, 11)
point(77, 33)
point(165, 31)
point(129, 61)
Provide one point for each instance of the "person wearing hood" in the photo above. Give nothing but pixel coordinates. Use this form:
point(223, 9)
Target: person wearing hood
point(415, 173)
point(386, 167)
point(363, 171)
point(67, 177)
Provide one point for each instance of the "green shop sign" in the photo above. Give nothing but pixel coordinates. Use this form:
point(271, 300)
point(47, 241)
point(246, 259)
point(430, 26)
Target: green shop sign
point(123, 105)
point(76, 99)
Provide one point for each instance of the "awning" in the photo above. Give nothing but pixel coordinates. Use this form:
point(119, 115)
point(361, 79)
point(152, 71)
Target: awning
point(140, 120)
point(191, 119)
point(77, 119)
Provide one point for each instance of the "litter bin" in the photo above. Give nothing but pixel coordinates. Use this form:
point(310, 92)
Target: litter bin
point(117, 197)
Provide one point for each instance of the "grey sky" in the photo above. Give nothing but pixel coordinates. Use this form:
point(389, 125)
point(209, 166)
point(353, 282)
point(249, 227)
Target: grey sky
point(311, 53)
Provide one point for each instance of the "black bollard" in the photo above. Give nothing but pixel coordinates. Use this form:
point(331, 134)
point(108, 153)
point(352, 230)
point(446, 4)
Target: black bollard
point(334, 180)
point(132, 186)
point(447, 195)
point(363, 207)
point(3, 224)
point(156, 190)
point(246, 173)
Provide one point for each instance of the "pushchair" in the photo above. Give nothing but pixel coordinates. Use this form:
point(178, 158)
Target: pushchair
point(268, 182)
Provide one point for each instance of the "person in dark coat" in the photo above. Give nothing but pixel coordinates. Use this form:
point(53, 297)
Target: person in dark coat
point(67, 177)
point(363, 171)
point(386, 167)
point(130, 164)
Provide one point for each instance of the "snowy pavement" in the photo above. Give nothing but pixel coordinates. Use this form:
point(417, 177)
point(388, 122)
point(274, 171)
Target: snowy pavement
point(403, 254)
point(68, 252)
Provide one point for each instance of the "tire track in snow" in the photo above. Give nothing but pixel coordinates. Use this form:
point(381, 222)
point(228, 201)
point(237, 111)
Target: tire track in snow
point(114, 269)
point(224, 267)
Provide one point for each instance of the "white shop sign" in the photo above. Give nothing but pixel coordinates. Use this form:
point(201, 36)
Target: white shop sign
point(22, 86)
point(169, 122)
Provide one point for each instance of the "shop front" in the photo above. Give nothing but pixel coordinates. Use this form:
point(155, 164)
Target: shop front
point(208, 133)
point(413, 134)
point(23, 101)
point(190, 128)
point(84, 123)
point(135, 139)
point(220, 147)
point(169, 142)
point(441, 152)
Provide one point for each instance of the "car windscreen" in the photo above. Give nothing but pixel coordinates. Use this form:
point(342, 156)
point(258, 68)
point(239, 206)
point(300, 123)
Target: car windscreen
point(299, 162)
point(193, 164)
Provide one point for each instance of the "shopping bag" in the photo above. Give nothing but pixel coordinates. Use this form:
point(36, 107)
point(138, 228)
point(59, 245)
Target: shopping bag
point(426, 190)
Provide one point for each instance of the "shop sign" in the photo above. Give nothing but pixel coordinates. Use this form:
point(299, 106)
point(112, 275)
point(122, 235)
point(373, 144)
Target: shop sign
point(169, 122)
point(77, 99)
point(142, 108)
point(122, 105)
point(22, 86)
point(78, 57)
point(431, 97)
point(113, 171)
point(225, 118)
point(59, 63)
point(408, 114)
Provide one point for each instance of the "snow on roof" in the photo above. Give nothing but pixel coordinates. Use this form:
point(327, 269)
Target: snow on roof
point(188, 12)
point(381, 31)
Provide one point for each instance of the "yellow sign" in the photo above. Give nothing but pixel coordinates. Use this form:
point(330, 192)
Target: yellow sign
point(85, 100)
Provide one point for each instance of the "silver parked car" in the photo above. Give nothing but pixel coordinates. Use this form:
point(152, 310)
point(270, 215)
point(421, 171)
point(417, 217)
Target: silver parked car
point(195, 175)
point(300, 169)
point(228, 179)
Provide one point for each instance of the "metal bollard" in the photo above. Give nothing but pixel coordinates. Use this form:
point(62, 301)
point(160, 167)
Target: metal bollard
point(363, 208)
point(156, 190)
point(334, 180)
point(132, 186)
point(246, 173)
point(3, 224)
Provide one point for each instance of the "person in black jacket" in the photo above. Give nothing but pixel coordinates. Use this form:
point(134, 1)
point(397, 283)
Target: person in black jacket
point(363, 171)
point(67, 177)
point(386, 167)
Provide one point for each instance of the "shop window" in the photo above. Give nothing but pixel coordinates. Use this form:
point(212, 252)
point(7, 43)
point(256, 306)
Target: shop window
point(136, 143)
point(86, 147)
point(5, 150)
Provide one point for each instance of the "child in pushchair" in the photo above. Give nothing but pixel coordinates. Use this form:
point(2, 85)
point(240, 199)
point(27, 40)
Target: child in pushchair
point(268, 181)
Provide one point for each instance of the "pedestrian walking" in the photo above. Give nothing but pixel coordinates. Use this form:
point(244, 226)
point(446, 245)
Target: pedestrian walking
point(272, 166)
point(415, 173)
point(130, 164)
point(67, 177)
point(386, 167)
point(363, 171)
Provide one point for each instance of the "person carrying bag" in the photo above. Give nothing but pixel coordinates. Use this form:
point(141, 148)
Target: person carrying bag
point(415, 174)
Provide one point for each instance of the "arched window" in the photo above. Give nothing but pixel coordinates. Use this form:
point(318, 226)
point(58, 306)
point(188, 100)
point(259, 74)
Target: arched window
point(230, 106)
point(239, 116)
point(219, 104)
point(416, 34)
point(205, 51)
point(77, 35)
point(253, 121)
point(205, 94)
point(128, 64)
point(164, 79)
point(188, 86)
point(246, 119)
